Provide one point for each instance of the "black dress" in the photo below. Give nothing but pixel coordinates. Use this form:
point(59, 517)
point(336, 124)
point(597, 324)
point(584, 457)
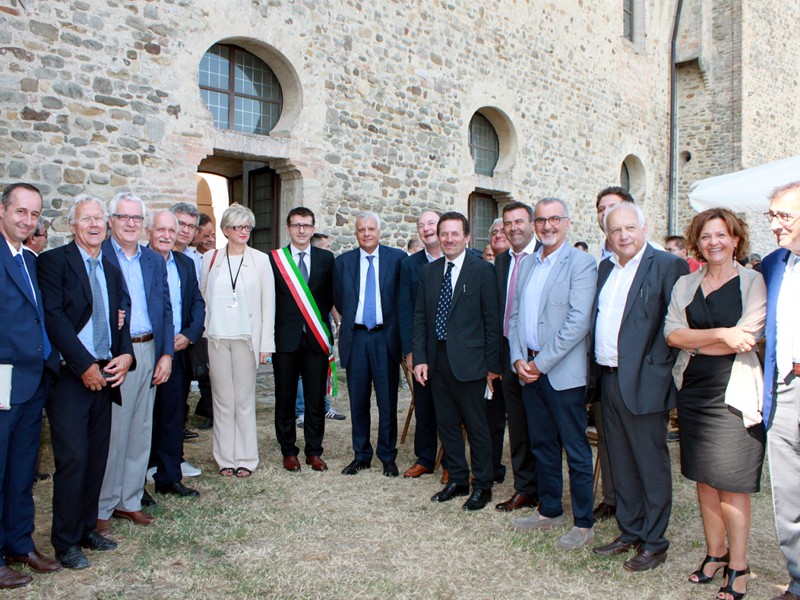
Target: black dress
point(716, 448)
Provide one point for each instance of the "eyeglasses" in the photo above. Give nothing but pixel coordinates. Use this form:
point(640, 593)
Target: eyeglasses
point(783, 217)
point(138, 219)
point(554, 220)
point(92, 220)
point(40, 234)
point(185, 225)
point(297, 226)
point(247, 228)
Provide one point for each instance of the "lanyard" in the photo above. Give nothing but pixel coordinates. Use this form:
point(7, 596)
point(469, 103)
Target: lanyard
point(230, 271)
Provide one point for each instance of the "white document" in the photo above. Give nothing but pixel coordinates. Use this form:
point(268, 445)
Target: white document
point(5, 386)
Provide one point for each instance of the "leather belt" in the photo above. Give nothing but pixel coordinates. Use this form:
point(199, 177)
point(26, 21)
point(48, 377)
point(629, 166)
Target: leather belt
point(361, 327)
point(607, 369)
point(141, 339)
point(532, 354)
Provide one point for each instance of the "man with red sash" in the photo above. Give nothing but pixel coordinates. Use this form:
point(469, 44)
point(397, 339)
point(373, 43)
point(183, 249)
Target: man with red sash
point(303, 301)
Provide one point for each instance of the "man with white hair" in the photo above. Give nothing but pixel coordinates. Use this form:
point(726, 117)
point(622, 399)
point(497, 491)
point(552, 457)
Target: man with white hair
point(152, 335)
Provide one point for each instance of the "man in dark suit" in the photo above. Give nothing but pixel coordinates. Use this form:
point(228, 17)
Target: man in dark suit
point(152, 334)
point(188, 315)
point(303, 340)
point(518, 227)
point(365, 288)
point(25, 346)
point(426, 441)
point(634, 287)
point(456, 352)
point(781, 271)
point(83, 292)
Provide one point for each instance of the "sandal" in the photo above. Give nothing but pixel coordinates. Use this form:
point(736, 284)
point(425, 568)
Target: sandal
point(243, 472)
point(227, 472)
point(700, 572)
point(732, 574)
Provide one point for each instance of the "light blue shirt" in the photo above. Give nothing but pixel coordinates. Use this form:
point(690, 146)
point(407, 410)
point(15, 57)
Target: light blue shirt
point(132, 271)
point(534, 291)
point(86, 335)
point(174, 280)
point(197, 258)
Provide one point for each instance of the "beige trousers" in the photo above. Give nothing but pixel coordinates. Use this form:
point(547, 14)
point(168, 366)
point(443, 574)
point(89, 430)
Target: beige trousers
point(233, 387)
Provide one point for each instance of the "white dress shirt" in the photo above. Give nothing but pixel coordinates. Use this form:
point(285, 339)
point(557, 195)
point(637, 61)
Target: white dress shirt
point(306, 258)
point(363, 265)
point(610, 306)
point(787, 318)
point(528, 250)
point(458, 263)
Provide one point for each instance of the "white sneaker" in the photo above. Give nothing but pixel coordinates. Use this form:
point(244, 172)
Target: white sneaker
point(150, 472)
point(537, 521)
point(194, 387)
point(336, 416)
point(189, 470)
point(575, 538)
point(300, 420)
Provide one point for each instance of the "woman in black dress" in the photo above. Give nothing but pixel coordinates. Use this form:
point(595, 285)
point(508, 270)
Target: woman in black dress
point(715, 318)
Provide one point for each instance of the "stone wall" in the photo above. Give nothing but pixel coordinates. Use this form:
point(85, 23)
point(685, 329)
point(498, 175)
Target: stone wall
point(102, 96)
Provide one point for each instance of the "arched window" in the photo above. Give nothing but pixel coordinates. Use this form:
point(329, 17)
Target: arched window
point(484, 145)
point(240, 90)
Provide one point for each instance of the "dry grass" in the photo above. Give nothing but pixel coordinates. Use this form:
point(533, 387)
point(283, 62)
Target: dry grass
point(324, 535)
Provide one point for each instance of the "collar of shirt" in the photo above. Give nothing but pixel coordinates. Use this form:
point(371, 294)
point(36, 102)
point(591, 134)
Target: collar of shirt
point(171, 257)
point(528, 250)
point(552, 257)
point(363, 255)
point(14, 251)
point(457, 261)
point(121, 253)
point(85, 256)
point(633, 262)
point(429, 257)
point(295, 251)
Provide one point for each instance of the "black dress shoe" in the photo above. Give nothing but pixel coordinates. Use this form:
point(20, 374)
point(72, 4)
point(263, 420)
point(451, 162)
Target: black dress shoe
point(72, 558)
point(95, 541)
point(644, 560)
point(356, 466)
point(390, 469)
point(615, 547)
point(207, 424)
point(478, 499)
point(176, 489)
point(450, 491)
point(188, 434)
point(604, 511)
point(147, 499)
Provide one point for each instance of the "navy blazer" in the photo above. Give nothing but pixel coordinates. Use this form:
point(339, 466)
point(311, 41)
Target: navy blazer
point(193, 307)
point(67, 297)
point(645, 360)
point(21, 336)
point(345, 298)
point(156, 286)
point(407, 297)
point(772, 269)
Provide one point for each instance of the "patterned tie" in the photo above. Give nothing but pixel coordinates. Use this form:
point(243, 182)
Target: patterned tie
point(512, 288)
point(303, 269)
point(370, 311)
point(99, 323)
point(443, 308)
point(46, 340)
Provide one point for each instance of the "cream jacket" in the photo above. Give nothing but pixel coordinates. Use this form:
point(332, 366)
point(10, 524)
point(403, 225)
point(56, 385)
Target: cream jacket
point(256, 276)
point(745, 387)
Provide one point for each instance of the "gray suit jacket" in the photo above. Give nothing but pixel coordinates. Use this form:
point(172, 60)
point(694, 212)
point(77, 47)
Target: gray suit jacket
point(564, 318)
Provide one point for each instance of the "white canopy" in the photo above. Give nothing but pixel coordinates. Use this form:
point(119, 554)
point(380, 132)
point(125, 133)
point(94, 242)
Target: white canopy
point(745, 190)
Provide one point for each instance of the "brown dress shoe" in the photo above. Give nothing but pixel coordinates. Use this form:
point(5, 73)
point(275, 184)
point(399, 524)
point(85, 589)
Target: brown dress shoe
point(416, 470)
point(644, 560)
point(316, 462)
point(103, 527)
point(445, 477)
point(604, 511)
point(291, 463)
point(36, 561)
point(615, 547)
point(9, 578)
point(515, 502)
point(138, 516)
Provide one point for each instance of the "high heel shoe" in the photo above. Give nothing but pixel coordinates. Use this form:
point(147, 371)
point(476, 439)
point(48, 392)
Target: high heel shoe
point(732, 574)
point(700, 572)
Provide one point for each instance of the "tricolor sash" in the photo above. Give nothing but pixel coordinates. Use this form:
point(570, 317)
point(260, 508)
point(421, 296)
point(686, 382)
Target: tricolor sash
point(308, 308)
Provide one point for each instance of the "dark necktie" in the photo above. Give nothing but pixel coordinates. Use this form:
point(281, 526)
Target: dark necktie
point(21, 264)
point(443, 308)
point(302, 265)
point(369, 316)
point(102, 346)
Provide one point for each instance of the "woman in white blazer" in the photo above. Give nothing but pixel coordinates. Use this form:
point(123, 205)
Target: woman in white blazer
point(237, 284)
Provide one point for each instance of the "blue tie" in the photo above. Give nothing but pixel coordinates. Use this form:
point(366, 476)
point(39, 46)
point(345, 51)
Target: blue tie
point(102, 346)
point(370, 312)
point(18, 258)
point(443, 308)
